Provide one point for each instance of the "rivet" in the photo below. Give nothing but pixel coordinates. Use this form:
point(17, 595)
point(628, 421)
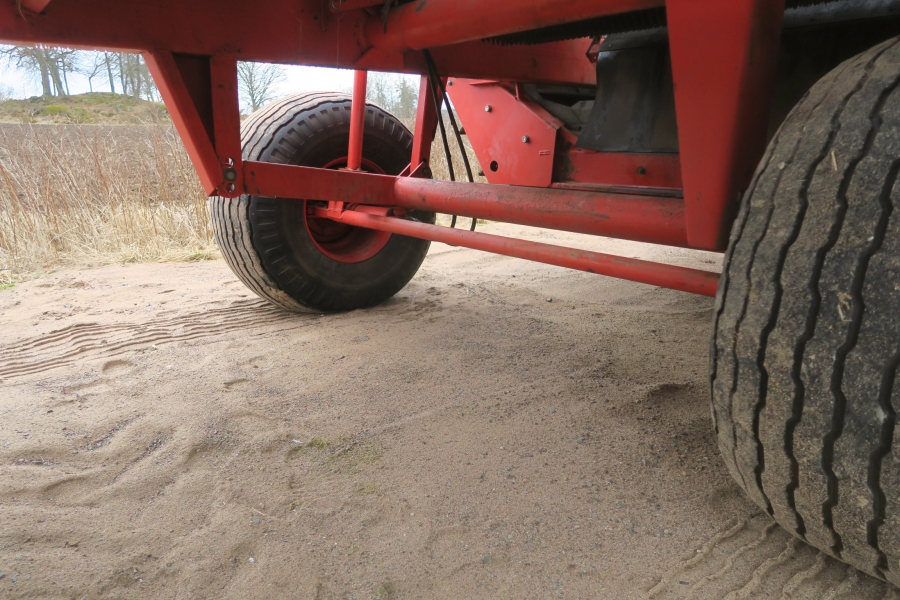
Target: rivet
point(526, 139)
point(488, 108)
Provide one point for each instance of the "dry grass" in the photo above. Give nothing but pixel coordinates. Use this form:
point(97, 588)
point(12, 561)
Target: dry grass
point(80, 109)
point(76, 194)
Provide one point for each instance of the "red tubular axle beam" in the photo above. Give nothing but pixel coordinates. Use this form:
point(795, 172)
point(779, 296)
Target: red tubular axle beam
point(631, 217)
point(677, 278)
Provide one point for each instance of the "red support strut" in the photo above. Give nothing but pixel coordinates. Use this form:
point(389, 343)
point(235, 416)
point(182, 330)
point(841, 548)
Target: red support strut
point(724, 56)
point(426, 125)
point(677, 278)
point(357, 121)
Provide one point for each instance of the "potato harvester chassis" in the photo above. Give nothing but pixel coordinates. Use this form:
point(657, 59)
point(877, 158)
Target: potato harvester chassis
point(664, 122)
point(723, 57)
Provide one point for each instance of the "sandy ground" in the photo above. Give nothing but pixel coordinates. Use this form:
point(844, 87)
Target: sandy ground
point(499, 429)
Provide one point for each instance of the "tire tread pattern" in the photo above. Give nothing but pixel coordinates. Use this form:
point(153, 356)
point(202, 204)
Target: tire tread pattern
point(806, 342)
point(247, 238)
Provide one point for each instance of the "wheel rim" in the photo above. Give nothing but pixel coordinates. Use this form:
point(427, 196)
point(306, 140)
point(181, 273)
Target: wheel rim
point(340, 242)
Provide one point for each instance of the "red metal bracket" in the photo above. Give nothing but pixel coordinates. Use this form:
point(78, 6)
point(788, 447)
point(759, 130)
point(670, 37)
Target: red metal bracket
point(514, 141)
point(642, 173)
point(518, 142)
point(227, 124)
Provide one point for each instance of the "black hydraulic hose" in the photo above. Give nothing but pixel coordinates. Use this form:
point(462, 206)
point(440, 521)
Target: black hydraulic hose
point(435, 79)
point(440, 119)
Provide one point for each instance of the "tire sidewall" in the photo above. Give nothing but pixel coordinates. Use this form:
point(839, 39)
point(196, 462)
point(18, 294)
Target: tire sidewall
point(314, 137)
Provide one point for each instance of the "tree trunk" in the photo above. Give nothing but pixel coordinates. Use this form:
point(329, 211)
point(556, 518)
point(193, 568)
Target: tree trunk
point(109, 73)
point(123, 78)
point(57, 79)
point(45, 79)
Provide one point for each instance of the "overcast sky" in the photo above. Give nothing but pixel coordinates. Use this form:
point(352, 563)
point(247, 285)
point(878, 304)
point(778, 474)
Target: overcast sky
point(298, 79)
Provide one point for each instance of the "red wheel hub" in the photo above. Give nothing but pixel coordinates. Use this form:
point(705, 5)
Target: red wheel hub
point(341, 242)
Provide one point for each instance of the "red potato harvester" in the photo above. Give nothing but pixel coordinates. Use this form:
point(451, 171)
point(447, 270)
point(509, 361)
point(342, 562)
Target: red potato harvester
point(765, 129)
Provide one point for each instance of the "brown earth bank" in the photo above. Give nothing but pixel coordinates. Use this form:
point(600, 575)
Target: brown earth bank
point(92, 107)
point(499, 429)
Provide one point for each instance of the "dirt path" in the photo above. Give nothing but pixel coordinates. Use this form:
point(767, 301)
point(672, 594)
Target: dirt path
point(500, 429)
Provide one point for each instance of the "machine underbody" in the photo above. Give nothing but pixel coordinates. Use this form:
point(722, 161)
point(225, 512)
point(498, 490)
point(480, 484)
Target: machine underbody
point(538, 172)
point(628, 166)
point(641, 120)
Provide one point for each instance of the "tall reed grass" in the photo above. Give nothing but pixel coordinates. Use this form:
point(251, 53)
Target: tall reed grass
point(76, 194)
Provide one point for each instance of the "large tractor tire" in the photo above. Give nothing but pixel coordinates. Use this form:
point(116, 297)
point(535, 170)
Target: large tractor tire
point(806, 341)
point(299, 262)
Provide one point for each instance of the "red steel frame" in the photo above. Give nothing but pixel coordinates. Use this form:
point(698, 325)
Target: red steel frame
point(357, 121)
point(723, 60)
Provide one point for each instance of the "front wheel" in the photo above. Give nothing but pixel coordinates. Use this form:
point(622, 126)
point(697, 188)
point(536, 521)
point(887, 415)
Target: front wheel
point(297, 261)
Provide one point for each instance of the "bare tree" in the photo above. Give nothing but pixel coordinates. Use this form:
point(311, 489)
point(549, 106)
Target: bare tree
point(91, 65)
point(108, 61)
point(134, 76)
point(380, 90)
point(407, 98)
point(257, 83)
point(65, 62)
point(49, 65)
point(395, 93)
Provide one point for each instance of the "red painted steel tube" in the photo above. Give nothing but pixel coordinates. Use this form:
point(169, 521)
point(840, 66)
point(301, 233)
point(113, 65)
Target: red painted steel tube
point(432, 23)
point(693, 281)
point(357, 120)
point(639, 218)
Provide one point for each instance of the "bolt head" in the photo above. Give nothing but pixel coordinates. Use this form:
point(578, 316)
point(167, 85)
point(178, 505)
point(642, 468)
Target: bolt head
point(230, 174)
point(488, 108)
point(526, 139)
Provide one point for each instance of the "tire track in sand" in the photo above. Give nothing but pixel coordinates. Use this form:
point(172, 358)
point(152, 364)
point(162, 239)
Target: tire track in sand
point(83, 341)
point(758, 559)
